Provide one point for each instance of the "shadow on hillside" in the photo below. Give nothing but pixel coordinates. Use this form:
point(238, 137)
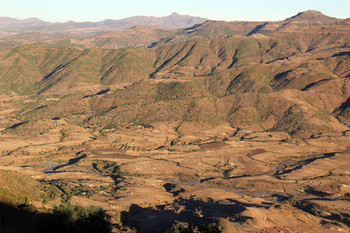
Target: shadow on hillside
point(341, 54)
point(27, 219)
point(161, 217)
point(71, 162)
point(53, 167)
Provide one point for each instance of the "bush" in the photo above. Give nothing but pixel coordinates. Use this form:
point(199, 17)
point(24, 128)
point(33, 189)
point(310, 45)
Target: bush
point(75, 219)
point(180, 227)
point(307, 206)
point(107, 167)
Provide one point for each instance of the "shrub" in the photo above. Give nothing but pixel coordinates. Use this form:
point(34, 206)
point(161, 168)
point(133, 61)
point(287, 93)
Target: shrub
point(180, 227)
point(75, 219)
point(307, 206)
point(107, 167)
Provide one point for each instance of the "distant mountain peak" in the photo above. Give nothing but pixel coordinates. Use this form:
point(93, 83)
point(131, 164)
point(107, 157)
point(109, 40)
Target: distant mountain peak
point(33, 19)
point(174, 14)
point(311, 15)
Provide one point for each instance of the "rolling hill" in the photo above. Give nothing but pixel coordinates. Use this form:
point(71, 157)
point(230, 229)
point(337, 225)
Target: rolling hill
point(292, 80)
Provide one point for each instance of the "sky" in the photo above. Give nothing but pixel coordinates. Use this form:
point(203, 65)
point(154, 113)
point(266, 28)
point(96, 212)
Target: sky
point(229, 10)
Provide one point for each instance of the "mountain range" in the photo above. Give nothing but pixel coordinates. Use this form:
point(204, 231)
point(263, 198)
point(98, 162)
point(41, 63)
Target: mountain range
point(11, 26)
point(140, 34)
point(291, 75)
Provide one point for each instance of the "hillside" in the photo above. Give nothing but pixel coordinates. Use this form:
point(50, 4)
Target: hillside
point(138, 36)
point(306, 72)
point(16, 187)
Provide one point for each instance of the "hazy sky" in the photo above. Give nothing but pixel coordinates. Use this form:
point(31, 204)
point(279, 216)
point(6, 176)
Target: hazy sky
point(96, 10)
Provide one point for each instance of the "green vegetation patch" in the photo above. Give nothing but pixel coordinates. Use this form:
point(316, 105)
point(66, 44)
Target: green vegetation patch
point(75, 218)
point(65, 190)
point(107, 167)
point(307, 206)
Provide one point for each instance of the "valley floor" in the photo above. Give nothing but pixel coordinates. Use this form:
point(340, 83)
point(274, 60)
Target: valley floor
point(148, 177)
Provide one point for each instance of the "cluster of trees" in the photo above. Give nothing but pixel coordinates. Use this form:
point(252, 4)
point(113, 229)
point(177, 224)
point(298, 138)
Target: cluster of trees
point(75, 219)
point(67, 218)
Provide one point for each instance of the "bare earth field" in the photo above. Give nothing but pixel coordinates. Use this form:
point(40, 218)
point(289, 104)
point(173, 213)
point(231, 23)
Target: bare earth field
point(246, 179)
